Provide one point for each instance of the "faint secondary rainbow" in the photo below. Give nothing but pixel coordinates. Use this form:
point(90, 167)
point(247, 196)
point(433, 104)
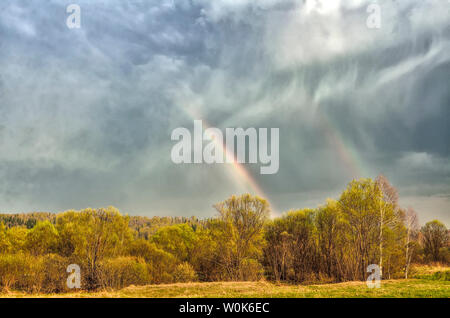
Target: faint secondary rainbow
point(347, 154)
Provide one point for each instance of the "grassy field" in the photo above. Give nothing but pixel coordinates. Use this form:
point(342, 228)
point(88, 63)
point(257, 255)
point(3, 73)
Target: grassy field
point(392, 288)
point(432, 282)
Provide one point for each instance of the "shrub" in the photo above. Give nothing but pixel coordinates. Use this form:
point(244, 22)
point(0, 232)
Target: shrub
point(445, 275)
point(20, 271)
point(252, 270)
point(184, 273)
point(445, 254)
point(55, 273)
point(160, 263)
point(123, 271)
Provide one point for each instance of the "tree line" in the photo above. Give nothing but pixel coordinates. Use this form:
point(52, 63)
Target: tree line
point(335, 242)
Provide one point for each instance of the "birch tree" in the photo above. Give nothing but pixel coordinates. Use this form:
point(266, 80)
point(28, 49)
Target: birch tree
point(388, 207)
point(412, 233)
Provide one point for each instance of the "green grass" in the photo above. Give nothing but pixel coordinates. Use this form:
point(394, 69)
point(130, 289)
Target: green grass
point(426, 282)
point(431, 273)
point(444, 276)
point(423, 288)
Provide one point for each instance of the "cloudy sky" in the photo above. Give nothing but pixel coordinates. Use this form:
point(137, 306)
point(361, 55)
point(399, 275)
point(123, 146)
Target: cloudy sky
point(86, 114)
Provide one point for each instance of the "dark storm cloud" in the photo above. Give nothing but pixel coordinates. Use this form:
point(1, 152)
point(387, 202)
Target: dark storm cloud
point(86, 114)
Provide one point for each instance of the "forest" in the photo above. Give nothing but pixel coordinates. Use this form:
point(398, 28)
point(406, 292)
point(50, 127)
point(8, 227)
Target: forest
point(332, 243)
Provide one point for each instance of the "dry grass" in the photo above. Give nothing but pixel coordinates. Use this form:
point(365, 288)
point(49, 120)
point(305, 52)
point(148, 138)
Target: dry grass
point(422, 287)
point(430, 269)
point(391, 288)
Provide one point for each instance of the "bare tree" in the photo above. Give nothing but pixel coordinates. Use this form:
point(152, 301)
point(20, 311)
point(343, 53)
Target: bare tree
point(412, 233)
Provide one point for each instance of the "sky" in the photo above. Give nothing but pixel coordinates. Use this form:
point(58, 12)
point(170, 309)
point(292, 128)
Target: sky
point(86, 114)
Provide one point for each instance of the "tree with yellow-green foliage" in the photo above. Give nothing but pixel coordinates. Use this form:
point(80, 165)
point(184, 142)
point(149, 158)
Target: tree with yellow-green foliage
point(291, 250)
point(359, 204)
point(42, 239)
point(239, 235)
point(332, 243)
point(435, 237)
point(17, 237)
point(91, 236)
point(179, 240)
point(4, 242)
point(329, 226)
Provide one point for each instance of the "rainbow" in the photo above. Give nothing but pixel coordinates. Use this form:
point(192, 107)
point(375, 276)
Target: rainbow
point(347, 155)
point(240, 175)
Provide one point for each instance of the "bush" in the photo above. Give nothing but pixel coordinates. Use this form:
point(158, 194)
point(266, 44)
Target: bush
point(20, 271)
point(55, 274)
point(123, 271)
point(445, 255)
point(252, 270)
point(160, 263)
point(445, 276)
point(184, 273)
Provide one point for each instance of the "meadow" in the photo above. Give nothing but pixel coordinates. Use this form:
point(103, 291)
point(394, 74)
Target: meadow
point(429, 282)
point(410, 288)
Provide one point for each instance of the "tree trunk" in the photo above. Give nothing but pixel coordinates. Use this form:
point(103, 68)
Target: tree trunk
point(381, 241)
point(407, 254)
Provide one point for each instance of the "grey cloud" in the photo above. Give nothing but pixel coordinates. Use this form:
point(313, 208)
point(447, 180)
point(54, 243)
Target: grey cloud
point(86, 115)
